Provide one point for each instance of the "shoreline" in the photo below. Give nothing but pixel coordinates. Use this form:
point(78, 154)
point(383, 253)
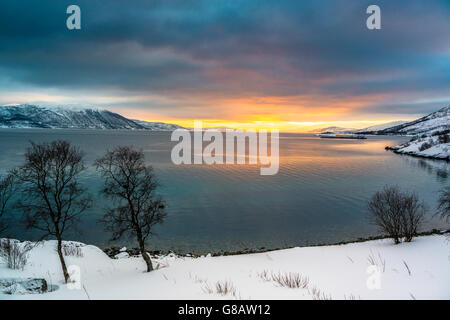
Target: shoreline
point(396, 151)
point(114, 250)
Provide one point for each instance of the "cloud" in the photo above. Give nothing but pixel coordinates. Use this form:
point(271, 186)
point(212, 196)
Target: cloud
point(200, 54)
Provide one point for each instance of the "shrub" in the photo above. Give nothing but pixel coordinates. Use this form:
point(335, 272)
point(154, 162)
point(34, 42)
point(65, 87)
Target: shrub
point(72, 249)
point(14, 253)
point(398, 214)
point(425, 146)
point(444, 138)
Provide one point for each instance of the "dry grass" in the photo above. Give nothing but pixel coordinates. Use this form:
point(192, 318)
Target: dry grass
point(351, 297)
point(265, 275)
point(407, 267)
point(291, 280)
point(207, 289)
point(317, 294)
point(377, 260)
point(221, 287)
point(225, 287)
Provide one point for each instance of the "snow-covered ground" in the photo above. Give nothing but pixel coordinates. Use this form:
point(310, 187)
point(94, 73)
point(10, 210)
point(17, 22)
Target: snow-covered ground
point(417, 270)
point(429, 147)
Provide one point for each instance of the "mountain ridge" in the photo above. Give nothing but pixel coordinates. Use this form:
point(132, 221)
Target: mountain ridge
point(59, 117)
point(433, 122)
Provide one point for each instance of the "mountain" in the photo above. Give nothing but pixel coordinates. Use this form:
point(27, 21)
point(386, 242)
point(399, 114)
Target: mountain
point(157, 126)
point(333, 130)
point(32, 116)
point(434, 122)
point(382, 126)
point(432, 136)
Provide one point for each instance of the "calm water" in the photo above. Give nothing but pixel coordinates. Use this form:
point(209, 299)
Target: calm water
point(319, 194)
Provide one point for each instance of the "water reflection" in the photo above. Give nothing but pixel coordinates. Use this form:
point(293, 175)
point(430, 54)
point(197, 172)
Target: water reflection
point(319, 195)
point(438, 168)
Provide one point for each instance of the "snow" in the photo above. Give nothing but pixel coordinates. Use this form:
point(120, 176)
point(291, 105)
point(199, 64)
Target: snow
point(436, 150)
point(416, 270)
point(122, 255)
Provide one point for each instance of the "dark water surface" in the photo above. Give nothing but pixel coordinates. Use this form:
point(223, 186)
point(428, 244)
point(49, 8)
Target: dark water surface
point(318, 196)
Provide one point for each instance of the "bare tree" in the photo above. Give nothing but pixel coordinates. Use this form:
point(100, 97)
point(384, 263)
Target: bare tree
point(412, 215)
point(397, 213)
point(7, 190)
point(52, 197)
point(131, 185)
point(444, 203)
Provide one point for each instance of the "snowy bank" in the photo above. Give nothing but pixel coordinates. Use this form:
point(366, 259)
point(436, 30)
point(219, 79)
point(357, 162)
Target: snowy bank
point(432, 147)
point(368, 270)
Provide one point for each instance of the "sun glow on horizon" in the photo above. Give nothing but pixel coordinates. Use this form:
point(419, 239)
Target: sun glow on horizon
point(282, 126)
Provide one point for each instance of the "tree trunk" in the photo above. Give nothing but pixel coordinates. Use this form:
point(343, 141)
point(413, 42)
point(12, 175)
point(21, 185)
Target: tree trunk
point(145, 255)
point(63, 263)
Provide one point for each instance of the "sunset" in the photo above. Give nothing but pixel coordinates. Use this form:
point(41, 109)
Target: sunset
point(289, 64)
point(216, 158)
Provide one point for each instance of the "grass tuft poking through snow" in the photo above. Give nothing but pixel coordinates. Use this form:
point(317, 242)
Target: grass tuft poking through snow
point(291, 280)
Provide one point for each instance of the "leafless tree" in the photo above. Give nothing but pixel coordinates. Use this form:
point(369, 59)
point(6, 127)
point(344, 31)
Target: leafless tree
point(7, 190)
point(444, 203)
point(131, 185)
point(397, 213)
point(52, 197)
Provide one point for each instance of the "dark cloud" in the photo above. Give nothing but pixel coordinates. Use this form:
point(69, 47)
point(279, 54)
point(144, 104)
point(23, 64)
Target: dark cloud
point(234, 48)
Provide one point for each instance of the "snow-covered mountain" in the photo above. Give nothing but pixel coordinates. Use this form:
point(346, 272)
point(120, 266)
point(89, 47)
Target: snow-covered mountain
point(32, 116)
point(157, 126)
point(382, 126)
point(434, 122)
point(333, 130)
point(431, 136)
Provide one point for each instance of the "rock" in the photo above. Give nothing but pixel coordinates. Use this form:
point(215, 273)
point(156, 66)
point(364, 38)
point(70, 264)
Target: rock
point(23, 286)
point(36, 285)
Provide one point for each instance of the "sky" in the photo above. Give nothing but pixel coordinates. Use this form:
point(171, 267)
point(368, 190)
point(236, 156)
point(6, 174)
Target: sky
point(292, 65)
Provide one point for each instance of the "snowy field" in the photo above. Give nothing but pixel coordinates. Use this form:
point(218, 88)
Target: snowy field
point(417, 270)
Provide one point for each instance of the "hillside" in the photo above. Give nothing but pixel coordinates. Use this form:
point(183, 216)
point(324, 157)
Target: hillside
point(434, 122)
point(431, 136)
point(382, 126)
point(32, 116)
